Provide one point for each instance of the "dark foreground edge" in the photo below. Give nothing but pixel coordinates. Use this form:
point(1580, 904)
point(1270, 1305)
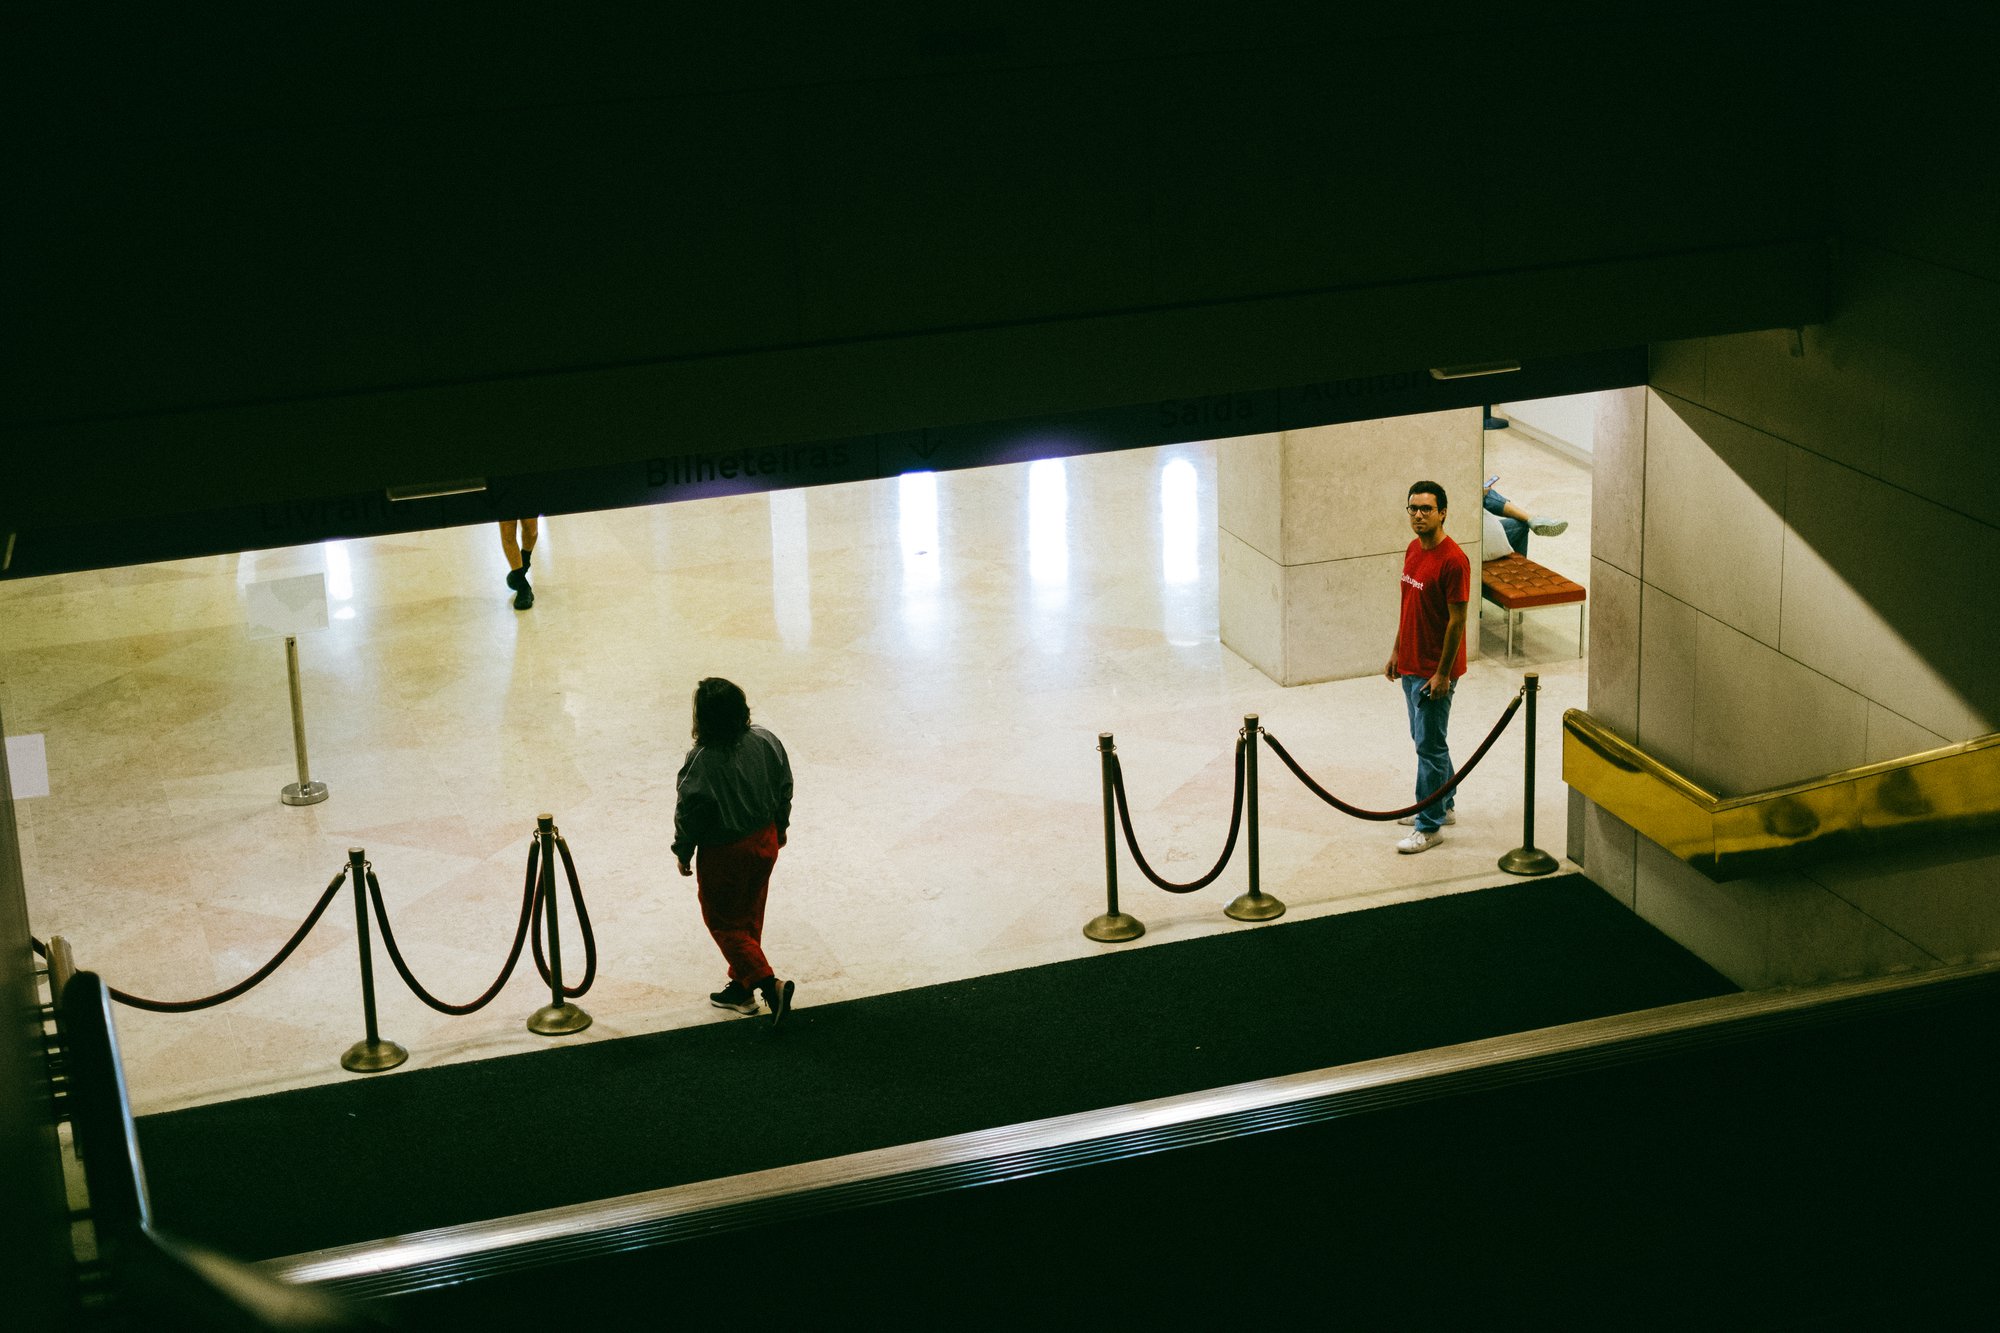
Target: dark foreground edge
point(450, 1256)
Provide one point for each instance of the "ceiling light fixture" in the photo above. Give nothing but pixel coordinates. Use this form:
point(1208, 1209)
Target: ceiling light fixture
point(432, 490)
point(1476, 368)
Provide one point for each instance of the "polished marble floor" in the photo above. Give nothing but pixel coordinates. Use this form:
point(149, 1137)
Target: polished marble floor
point(939, 653)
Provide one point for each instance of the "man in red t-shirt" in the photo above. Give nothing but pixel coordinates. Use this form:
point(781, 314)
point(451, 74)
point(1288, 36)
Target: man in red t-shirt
point(1429, 655)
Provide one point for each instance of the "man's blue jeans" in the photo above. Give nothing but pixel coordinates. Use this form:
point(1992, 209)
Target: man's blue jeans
point(1428, 719)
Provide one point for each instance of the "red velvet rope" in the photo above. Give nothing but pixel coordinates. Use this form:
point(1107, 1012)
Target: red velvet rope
point(583, 924)
point(1456, 778)
point(528, 922)
point(1229, 846)
point(223, 996)
point(409, 978)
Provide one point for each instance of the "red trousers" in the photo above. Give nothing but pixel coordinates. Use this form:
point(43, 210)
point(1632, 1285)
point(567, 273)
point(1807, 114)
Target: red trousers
point(732, 881)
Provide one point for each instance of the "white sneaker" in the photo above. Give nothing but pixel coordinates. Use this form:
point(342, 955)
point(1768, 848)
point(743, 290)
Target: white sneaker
point(1409, 821)
point(1419, 841)
point(1549, 527)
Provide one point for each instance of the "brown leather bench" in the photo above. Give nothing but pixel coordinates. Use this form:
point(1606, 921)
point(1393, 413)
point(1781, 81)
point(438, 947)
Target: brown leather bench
point(1515, 584)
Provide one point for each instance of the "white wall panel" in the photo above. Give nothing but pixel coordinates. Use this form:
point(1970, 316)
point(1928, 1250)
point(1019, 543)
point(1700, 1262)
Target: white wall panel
point(1828, 396)
point(1892, 736)
point(1941, 331)
point(1887, 593)
point(1614, 642)
point(1763, 720)
point(1680, 368)
point(1340, 618)
point(1714, 525)
point(1250, 593)
point(1618, 479)
point(1666, 676)
point(1940, 898)
point(1780, 930)
point(1342, 488)
point(1247, 488)
point(1610, 852)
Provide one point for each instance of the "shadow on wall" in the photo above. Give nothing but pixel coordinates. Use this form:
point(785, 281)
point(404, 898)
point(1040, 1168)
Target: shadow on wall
point(1767, 510)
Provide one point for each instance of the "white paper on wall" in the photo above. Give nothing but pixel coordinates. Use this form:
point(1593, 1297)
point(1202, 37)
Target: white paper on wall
point(280, 607)
point(28, 766)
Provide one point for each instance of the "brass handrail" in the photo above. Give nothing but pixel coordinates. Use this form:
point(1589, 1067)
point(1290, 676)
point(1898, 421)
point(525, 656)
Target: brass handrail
point(1952, 789)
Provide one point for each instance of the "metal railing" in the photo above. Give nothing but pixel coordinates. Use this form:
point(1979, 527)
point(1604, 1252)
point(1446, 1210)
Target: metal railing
point(1114, 926)
point(1953, 789)
point(372, 1053)
point(139, 1275)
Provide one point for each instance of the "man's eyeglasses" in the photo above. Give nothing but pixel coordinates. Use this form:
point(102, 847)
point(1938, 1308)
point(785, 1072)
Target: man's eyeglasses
point(1422, 509)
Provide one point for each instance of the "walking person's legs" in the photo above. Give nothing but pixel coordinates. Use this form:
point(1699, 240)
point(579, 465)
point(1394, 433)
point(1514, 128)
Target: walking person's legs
point(517, 543)
point(733, 883)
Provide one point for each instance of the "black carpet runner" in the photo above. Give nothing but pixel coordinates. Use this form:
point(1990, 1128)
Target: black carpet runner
point(388, 1154)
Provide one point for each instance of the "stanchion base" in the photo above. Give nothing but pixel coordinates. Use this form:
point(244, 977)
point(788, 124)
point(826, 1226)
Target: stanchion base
point(1528, 861)
point(312, 793)
point(557, 1020)
point(372, 1057)
point(1254, 907)
point(1114, 928)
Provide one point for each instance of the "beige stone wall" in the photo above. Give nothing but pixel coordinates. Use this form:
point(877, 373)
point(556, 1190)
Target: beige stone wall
point(1791, 575)
point(1313, 534)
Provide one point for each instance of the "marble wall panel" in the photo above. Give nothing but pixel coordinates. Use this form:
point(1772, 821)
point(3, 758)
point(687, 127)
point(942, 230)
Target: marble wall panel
point(1937, 329)
point(1615, 599)
point(1610, 852)
point(1886, 592)
point(1247, 490)
point(1781, 930)
point(1944, 899)
point(1763, 720)
point(1618, 478)
point(1680, 368)
point(1666, 677)
point(1873, 448)
point(1340, 494)
point(1722, 924)
point(1250, 597)
point(1714, 519)
point(1893, 736)
point(1827, 397)
point(1816, 937)
point(1312, 503)
point(1339, 618)
point(1342, 487)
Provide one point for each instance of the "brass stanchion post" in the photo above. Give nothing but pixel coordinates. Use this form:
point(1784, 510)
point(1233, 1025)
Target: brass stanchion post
point(558, 1017)
point(305, 791)
point(1114, 927)
point(1256, 905)
point(370, 1055)
point(1527, 859)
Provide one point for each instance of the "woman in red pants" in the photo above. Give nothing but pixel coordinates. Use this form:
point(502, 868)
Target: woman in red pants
point(734, 804)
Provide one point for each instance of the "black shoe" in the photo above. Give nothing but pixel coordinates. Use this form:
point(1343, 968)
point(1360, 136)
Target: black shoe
point(735, 996)
point(524, 596)
point(778, 995)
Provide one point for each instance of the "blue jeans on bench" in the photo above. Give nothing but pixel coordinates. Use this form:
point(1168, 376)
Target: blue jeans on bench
point(1516, 530)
